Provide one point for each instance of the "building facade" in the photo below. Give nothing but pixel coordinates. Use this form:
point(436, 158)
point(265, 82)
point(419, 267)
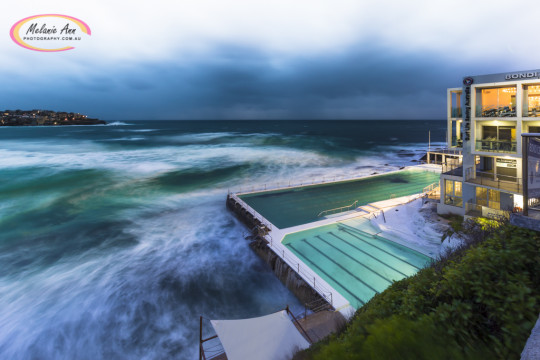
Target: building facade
point(486, 117)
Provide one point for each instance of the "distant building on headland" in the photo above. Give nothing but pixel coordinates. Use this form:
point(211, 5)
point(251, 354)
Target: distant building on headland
point(45, 118)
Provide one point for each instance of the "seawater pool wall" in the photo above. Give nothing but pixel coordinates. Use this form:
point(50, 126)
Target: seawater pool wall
point(298, 286)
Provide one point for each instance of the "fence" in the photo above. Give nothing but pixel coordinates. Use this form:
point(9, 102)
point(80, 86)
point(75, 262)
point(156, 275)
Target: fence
point(306, 274)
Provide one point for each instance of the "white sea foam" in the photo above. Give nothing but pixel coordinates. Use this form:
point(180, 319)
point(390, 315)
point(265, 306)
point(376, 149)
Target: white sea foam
point(118, 123)
point(67, 310)
point(184, 255)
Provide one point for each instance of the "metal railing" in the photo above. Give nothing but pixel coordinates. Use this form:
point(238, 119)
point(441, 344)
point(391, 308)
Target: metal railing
point(453, 201)
point(338, 209)
point(457, 142)
point(505, 146)
point(455, 169)
point(323, 180)
point(304, 273)
point(258, 216)
point(502, 182)
point(431, 187)
point(531, 111)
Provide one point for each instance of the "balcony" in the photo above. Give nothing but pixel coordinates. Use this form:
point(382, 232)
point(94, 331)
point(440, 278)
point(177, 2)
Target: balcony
point(502, 182)
point(500, 146)
point(452, 169)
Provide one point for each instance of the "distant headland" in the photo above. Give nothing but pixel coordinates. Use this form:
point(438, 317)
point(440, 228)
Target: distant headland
point(45, 118)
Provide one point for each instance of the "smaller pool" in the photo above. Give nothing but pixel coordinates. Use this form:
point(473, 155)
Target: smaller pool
point(353, 259)
point(301, 205)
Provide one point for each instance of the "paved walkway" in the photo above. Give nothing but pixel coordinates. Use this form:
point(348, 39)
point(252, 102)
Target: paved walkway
point(532, 347)
point(320, 325)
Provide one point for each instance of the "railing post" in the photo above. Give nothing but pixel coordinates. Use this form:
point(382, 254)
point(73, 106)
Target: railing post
point(200, 339)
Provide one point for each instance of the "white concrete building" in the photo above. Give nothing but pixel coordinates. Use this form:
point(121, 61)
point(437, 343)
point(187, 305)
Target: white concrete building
point(486, 118)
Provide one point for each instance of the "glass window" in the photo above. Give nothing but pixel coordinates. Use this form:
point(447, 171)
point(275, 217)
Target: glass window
point(489, 133)
point(457, 190)
point(497, 139)
point(531, 100)
point(456, 104)
point(494, 199)
point(496, 102)
point(481, 196)
point(453, 193)
point(449, 187)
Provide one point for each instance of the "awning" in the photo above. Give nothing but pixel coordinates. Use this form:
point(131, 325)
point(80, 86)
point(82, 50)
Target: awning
point(272, 337)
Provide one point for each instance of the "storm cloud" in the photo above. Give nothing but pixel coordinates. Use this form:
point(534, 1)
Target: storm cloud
point(351, 60)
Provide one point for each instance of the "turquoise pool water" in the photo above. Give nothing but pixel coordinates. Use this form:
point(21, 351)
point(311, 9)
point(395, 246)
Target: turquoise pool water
point(353, 259)
point(296, 206)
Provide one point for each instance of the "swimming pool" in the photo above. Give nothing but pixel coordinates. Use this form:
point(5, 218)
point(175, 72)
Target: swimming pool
point(355, 261)
point(301, 205)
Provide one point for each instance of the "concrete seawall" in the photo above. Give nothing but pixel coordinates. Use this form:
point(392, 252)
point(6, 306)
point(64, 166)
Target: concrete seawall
point(298, 286)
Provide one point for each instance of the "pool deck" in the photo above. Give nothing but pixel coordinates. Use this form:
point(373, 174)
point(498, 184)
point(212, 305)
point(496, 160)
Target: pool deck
point(275, 236)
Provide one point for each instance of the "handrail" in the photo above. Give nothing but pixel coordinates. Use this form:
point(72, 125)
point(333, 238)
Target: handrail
point(506, 182)
point(338, 208)
point(431, 187)
point(258, 216)
point(306, 274)
point(492, 176)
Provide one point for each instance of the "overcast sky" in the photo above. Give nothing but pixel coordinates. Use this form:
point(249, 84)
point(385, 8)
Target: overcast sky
point(261, 59)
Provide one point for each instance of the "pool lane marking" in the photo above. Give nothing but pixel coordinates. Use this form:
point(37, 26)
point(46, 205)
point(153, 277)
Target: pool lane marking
point(341, 267)
point(324, 272)
point(353, 259)
point(375, 246)
point(368, 254)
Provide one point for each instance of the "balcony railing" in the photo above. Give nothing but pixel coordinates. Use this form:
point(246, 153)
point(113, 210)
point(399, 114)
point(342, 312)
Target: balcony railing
point(490, 212)
point(504, 146)
point(456, 112)
point(531, 111)
point(457, 142)
point(501, 182)
point(455, 169)
point(453, 200)
point(495, 111)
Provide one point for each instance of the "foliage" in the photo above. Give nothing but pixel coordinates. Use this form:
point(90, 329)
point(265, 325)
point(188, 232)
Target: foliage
point(480, 301)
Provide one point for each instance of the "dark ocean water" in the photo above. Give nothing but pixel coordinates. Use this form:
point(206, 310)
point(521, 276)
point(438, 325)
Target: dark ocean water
point(114, 239)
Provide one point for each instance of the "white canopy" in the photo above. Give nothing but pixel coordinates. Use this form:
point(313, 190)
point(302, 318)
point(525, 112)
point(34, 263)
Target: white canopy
point(272, 337)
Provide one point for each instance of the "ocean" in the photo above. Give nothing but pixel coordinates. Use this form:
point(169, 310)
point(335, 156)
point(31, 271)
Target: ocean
point(115, 239)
